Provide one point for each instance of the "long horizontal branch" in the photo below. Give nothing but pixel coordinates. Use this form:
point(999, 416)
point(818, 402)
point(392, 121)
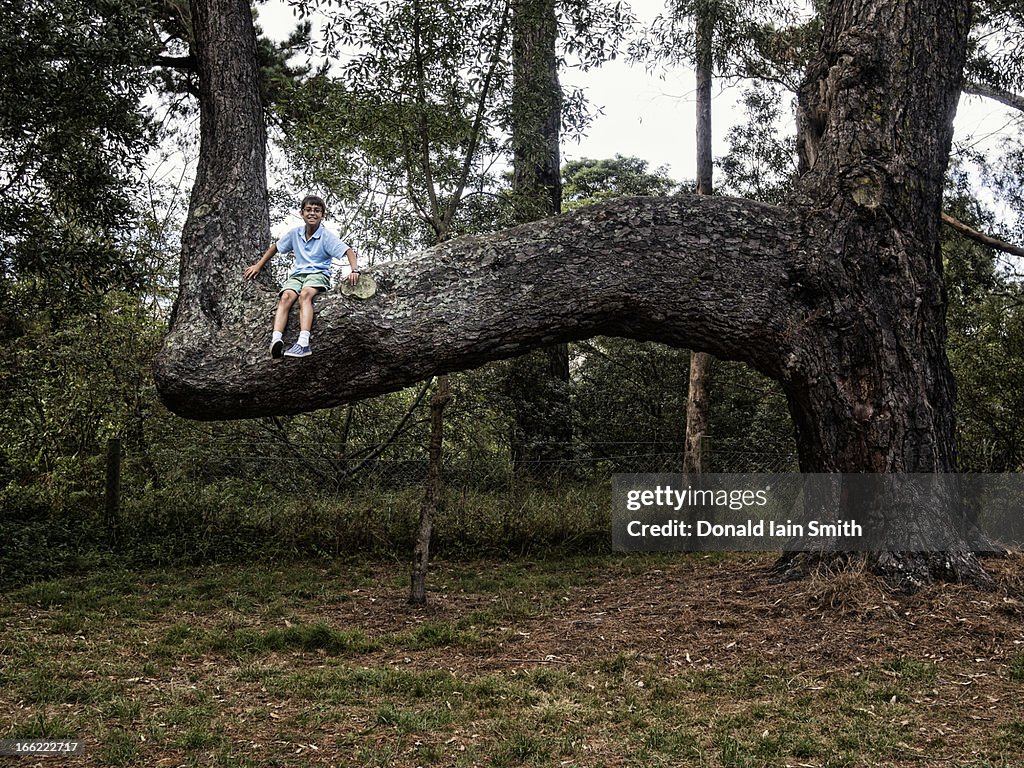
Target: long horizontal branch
point(707, 273)
point(185, 63)
point(1004, 97)
point(981, 237)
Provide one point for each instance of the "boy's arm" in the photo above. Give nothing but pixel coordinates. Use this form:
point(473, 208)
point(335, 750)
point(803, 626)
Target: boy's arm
point(254, 269)
point(353, 276)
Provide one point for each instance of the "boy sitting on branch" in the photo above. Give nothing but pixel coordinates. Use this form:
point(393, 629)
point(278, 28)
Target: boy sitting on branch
point(313, 247)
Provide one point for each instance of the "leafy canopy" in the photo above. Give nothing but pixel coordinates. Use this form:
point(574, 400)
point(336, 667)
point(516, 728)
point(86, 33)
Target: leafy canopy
point(72, 137)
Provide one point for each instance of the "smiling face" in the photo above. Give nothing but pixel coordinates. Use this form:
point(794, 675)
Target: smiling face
point(313, 211)
point(312, 215)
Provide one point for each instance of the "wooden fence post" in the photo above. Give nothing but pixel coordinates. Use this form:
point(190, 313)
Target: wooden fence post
point(112, 504)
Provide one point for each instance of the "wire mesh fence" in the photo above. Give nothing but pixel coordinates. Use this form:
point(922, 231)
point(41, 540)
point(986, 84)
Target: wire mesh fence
point(227, 496)
point(297, 465)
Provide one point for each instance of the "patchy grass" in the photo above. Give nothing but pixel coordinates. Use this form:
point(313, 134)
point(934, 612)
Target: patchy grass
point(590, 661)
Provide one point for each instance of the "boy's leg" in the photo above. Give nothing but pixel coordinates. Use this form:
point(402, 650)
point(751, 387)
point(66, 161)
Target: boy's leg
point(301, 347)
point(306, 308)
point(284, 305)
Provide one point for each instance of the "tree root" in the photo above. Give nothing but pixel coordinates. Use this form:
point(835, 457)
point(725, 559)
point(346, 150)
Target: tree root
point(902, 571)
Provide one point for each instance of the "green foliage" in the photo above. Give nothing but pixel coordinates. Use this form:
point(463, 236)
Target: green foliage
point(996, 55)
point(587, 181)
point(72, 136)
point(770, 40)
point(988, 357)
point(631, 396)
point(985, 319)
point(70, 388)
point(591, 32)
point(1005, 179)
point(411, 114)
point(761, 161)
point(407, 135)
point(177, 75)
point(537, 413)
point(224, 521)
point(753, 431)
point(630, 403)
point(278, 75)
point(995, 68)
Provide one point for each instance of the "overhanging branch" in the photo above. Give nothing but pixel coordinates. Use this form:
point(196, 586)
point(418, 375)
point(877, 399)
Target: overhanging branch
point(184, 63)
point(714, 274)
point(981, 237)
point(1004, 97)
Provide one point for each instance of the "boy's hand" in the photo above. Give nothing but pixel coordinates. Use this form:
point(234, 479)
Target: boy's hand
point(254, 269)
point(353, 278)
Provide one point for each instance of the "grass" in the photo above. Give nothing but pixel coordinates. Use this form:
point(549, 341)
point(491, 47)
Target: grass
point(1017, 668)
point(604, 660)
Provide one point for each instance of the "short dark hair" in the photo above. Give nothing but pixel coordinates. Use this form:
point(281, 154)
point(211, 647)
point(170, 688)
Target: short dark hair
point(313, 200)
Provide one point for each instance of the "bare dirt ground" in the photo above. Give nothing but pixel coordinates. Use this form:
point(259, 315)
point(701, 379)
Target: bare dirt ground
point(727, 612)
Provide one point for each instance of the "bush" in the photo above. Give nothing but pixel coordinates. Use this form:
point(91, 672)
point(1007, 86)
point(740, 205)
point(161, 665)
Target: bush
point(41, 540)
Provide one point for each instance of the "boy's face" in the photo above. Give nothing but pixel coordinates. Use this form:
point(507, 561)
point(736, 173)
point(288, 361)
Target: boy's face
point(312, 214)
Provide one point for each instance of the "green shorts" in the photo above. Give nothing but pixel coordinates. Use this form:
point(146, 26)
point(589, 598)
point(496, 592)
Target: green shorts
point(308, 280)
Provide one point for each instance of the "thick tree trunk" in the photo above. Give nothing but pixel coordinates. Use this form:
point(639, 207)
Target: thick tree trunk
point(228, 222)
point(542, 430)
point(872, 389)
point(838, 295)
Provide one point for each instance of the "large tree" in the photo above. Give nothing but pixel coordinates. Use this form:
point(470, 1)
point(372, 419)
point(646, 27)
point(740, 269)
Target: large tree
point(537, 384)
point(838, 294)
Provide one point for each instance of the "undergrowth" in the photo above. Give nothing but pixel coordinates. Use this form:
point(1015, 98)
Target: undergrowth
point(236, 521)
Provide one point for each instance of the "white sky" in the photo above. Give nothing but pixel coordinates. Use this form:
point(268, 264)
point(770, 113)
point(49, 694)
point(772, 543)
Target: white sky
point(652, 116)
point(644, 115)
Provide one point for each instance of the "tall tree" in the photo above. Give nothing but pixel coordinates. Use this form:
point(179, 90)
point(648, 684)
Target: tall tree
point(228, 212)
point(542, 416)
point(838, 294)
point(697, 405)
point(536, 111)
point(587, 181)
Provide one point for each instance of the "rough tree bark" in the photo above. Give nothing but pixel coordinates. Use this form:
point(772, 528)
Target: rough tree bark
point(536, 110)
point(228, 223)
point(838, 295)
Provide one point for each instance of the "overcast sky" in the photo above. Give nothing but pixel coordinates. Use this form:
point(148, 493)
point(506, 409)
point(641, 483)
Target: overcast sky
point(643, 114)
point(651, 116)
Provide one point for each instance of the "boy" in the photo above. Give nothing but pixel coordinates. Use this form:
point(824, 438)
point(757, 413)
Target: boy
point(312, 248)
